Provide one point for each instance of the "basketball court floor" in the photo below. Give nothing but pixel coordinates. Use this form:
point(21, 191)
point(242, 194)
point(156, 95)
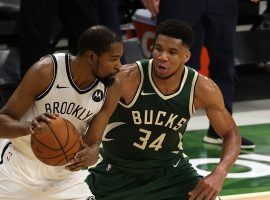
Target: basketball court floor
point(249, 178)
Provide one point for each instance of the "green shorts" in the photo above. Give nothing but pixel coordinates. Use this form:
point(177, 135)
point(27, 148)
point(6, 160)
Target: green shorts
point(107, 182)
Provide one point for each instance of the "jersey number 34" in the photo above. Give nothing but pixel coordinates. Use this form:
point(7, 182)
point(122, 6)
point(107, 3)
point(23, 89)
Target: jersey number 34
point(156, 144)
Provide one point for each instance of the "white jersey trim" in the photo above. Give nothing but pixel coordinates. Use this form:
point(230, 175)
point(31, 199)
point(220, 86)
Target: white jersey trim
point(73, 84)
point(166, 97)
point(53, 79)
point(192, 93)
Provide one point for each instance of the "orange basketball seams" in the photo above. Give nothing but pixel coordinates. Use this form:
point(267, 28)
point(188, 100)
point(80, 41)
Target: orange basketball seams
point(56, 142)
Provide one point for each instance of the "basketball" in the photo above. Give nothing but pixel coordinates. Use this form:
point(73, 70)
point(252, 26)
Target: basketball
point(56, 142)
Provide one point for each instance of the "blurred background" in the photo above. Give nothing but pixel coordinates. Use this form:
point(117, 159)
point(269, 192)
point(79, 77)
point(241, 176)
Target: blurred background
point(252, 46)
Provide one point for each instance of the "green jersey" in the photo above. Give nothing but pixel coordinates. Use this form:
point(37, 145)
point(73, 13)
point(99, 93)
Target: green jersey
point(147, 132)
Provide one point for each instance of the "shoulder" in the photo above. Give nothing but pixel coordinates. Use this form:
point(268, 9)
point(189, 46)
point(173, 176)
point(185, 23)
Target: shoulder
point(41, 73)
point(43, 67)
point(206, 92)
point(35, 81)
point(205, 84)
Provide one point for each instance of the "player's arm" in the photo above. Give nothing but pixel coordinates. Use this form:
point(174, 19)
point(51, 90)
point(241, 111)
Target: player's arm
point(98, 124)
point(93, 137)
point(35, 81)
point(152, 6)
point(130, 74)
point(209, 97)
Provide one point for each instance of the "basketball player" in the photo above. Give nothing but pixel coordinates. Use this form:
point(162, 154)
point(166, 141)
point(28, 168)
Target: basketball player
point(142, 144)
point(79, 88)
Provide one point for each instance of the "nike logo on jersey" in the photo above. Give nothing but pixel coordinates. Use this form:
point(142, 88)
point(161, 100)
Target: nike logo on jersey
point(176, 164)
point(147, 93)
point(60, 87)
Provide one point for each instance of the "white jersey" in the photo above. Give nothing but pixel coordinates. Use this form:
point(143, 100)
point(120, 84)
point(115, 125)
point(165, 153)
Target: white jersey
point(66, 99)
point(22, 175)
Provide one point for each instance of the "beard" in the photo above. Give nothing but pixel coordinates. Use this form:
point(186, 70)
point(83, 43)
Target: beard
point(108, 80)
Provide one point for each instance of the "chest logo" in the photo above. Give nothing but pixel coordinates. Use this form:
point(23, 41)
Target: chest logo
point(147, 93)
point(98, 95)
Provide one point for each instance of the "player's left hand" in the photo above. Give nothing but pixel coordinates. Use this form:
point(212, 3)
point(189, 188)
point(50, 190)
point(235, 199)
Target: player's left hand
point(46, 117)
point(85, 157)
point(209, 187)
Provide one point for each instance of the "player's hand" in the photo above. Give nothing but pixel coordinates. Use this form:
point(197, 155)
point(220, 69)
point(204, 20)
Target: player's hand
point(84, 158)
point(255, 1)
point(43, 117)
point(152, 6)
point(208, 188)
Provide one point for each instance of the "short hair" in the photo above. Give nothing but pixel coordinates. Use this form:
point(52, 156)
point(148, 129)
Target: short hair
point(176, 29)
point(97, 39)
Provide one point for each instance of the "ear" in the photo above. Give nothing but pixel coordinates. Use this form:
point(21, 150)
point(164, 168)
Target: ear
point(187, 56)
point(91, 57)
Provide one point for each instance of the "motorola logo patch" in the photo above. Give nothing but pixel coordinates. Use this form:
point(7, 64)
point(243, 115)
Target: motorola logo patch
point(98, 95)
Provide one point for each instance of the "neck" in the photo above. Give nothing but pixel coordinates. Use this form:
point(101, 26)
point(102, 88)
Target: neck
point(81, 72)
point(171, 84)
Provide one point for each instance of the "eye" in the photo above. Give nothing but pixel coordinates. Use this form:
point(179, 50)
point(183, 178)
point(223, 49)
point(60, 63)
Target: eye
point(115, 59)
point(158, 49)
point(172, 52)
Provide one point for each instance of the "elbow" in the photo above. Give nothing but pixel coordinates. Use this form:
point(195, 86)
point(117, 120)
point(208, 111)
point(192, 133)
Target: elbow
point(237, 137)
point(233, 139)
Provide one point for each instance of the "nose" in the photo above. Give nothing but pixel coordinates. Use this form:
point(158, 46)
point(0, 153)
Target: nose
point(119, 62)
point(117, 66)
point(163, 56)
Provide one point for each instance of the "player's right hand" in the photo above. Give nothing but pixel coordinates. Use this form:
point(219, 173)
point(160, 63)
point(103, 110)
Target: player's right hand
point(209, 187)
point(84, 158)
